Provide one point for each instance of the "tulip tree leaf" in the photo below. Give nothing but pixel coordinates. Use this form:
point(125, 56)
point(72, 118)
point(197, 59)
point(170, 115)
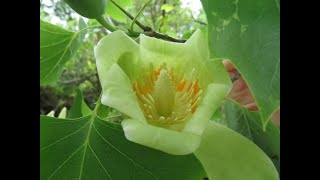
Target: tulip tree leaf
point(91, 148)
point(226, 154)
point(57, 46)
point(115, 12)
point(246, 123)
point(248, 34)
point(78, 108)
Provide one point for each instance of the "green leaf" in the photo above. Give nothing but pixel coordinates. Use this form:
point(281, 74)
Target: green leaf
point(91, 148)
point(218, 116)
point(57, 46)
point(115, 13)
point(246, 123)
point(248, 33)
point(227, 155)
point(78, 108)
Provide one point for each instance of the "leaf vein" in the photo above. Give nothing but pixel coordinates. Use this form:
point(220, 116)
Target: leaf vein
point(108, 126)
point(68, 46)
point(54, 44)
point(105, 170)
point(75, 152)
point(65, 137)
point(123, 153)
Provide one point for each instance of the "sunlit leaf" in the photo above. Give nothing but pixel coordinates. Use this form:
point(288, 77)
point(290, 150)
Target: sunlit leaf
point(91, 148)
point(247, 123)
point(248, 33)
point(57, 46)
point(227, 155)
point(115, 13)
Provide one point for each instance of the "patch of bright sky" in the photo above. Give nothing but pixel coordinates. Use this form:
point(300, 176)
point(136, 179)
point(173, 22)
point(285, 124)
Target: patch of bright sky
point(194, 5)
point(54, 19)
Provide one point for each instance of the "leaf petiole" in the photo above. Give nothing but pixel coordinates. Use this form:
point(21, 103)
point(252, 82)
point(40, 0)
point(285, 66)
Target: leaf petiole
point(98, 104)
point(106, 24)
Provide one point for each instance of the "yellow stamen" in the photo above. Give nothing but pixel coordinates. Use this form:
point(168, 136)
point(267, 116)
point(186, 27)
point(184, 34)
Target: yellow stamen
point(166, 97)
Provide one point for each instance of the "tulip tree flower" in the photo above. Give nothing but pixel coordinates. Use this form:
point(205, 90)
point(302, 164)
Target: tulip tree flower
point(169, 91)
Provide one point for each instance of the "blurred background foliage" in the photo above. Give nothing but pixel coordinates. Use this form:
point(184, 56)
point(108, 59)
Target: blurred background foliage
point(178, 18)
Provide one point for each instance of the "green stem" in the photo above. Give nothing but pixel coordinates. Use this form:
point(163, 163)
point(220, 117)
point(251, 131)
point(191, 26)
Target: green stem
point(111, 28)
point(106, 24)
point(147, 30)
point(140, 11)
point(97, 107)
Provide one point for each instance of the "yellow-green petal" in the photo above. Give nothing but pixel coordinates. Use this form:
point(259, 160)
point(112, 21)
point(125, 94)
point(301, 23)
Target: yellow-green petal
point(116, 47)
point(227, 155)
point(212, 99)
point(157, 52)
point(187, 56)
point(199, 44)
point(117, 93)
point(172, 142)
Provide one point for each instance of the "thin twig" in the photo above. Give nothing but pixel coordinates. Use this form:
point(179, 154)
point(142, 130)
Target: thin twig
point(147, 30)
point(144, 28)
point(163, 36)
point(78, 80)
point(198, 21)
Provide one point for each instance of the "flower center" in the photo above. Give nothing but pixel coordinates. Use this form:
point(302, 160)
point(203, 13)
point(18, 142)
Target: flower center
point(168, 98)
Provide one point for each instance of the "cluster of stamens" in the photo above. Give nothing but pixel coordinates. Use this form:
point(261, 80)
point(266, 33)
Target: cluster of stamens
point(166, 97)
